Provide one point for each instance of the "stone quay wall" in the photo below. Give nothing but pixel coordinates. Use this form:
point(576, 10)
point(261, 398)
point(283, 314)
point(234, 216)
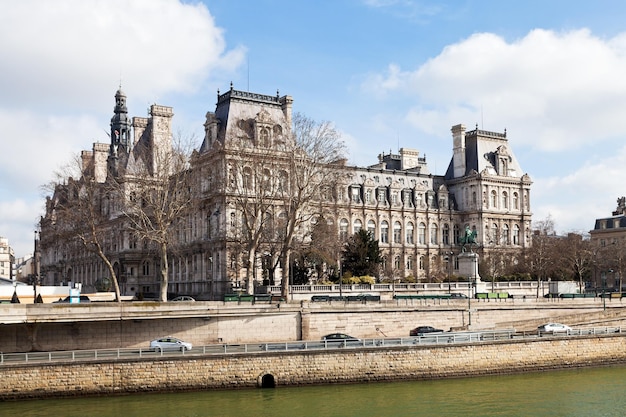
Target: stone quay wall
point(50, 327)
point(347, 365)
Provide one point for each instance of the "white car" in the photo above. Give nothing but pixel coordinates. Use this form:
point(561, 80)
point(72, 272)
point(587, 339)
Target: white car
point(183, 298)
point(554, 328)
point(169, 343)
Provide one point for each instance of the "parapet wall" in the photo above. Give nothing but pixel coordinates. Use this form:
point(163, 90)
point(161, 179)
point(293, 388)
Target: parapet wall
point(304, 368)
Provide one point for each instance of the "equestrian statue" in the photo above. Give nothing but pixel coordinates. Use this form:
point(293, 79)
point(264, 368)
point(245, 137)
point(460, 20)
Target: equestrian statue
point(468, 238)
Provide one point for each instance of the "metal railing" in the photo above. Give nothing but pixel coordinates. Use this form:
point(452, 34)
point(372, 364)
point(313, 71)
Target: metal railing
point(244, 348)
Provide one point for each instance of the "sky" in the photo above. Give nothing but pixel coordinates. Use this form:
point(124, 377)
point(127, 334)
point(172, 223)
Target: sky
point(387, 73)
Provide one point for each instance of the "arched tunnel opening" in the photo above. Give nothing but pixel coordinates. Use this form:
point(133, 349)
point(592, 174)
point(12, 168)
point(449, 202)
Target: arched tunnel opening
point(267, 381)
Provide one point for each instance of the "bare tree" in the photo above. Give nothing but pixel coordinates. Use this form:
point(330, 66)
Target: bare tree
point(578, 255)
point(156, 192)
point(256, 174)
point(314, 165)
point(79, 212)
point(541, 253)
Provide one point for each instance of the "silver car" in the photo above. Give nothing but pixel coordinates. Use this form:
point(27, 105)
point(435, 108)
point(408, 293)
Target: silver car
point(554, 328)
point(169, 343)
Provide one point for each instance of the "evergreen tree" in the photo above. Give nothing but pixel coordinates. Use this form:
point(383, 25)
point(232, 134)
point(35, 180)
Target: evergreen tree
point(361, 255)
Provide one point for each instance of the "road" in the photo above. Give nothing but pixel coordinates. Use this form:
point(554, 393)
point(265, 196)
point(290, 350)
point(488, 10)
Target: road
point(233, 349)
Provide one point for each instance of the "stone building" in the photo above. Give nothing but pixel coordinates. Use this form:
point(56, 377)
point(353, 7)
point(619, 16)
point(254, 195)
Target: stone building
point(7, 259)
point(608, 239)
point(416, 216)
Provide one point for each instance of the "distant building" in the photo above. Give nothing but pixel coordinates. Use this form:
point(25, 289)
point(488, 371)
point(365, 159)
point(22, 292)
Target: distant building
point(24, 268)
point(416, 216)
point(7, 259)
point(610, 230)
point(609, 240)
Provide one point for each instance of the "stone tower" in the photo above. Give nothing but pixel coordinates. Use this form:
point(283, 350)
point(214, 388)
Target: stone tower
point(120, 133)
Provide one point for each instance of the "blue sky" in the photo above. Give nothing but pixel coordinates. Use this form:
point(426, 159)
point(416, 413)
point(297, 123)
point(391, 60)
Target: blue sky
point(387, 73)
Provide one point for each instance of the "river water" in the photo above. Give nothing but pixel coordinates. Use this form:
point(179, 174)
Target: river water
point(582, 392)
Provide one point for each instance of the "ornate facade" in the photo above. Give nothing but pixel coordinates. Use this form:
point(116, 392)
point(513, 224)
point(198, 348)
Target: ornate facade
point(416, 216)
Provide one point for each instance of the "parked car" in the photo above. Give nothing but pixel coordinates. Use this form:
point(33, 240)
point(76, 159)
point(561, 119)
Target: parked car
point(183, 298)
point(553, 328)
point(422, 330)
point(458, 295)
point(339, 338)
point(169, 343)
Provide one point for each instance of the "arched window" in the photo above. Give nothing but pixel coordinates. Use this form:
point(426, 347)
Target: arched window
point(283, 182)
point(384, 232)
point(445, 234)
point(343, 229)
point(494, 199)
point(267, 181)
point(495, 234)
point(505, 200)
point(456, 234)
point(421, 234)
point(371, 228)
point(357, 225)
point(247, 179)
point(421, 263)
point(515, 201)
point(516, 235)
point(409, 233)
point(282, 222)
point(396, 263)
point(433, 234)
point(409, 263)
point(505, 234)
point(397, 232)
point(265, 137)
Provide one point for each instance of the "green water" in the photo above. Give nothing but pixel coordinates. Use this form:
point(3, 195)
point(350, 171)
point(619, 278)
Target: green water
point(586, 392)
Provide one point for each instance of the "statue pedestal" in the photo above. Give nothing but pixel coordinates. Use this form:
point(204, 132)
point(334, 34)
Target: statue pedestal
point(468, 266)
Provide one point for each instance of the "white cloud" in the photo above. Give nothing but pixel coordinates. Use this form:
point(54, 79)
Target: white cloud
point(18, 221)
point(68, 51)
point(577, 199)
point(555, 90)
point(62, 59)
point(42, 143)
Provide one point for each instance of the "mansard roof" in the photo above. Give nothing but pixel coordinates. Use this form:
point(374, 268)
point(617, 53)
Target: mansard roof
point(237, 112)
point(482, 150)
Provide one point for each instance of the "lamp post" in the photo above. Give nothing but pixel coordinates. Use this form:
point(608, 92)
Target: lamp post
point(469, 301)
point(449, 258)
point(603, 286)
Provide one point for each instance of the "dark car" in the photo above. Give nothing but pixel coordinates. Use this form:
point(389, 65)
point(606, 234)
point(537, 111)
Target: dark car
point(458, 295)
point(340, 339)
point(422, 330)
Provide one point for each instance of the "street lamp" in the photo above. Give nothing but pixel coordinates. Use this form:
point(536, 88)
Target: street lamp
point(469, 301)
point(604, 289)
point(449, 258)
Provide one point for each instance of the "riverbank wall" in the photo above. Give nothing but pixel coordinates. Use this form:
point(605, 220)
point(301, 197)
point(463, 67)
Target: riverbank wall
point(345, 365)
point(51, 327)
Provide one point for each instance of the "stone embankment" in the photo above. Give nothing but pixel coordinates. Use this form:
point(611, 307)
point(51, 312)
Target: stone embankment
point(345, 365)
point(49, 327)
